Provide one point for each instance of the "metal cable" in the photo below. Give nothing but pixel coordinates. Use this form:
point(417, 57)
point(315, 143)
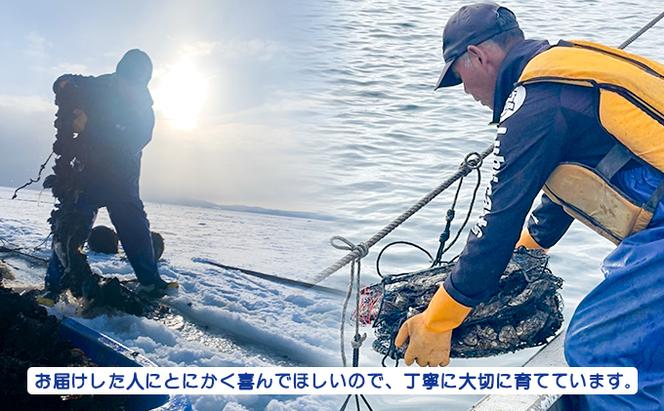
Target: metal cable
point(641, 31)
point(419, 247)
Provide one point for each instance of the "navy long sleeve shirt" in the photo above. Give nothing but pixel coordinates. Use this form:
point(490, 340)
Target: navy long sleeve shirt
point(539, 126)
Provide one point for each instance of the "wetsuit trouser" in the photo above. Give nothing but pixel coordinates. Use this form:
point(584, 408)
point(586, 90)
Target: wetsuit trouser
point(621, 321)
point(128, 216)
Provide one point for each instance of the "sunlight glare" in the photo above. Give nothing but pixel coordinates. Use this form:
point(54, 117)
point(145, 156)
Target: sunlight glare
point(180, 95)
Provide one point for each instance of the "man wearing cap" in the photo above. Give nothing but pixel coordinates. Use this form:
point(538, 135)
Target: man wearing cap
point(583, 123)
point(114, 124)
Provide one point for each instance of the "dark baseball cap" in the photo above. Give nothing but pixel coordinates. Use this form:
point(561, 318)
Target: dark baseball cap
point(471, 25)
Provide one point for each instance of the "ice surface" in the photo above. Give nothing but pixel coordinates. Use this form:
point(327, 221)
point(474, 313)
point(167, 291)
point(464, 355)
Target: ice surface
point(231, 319)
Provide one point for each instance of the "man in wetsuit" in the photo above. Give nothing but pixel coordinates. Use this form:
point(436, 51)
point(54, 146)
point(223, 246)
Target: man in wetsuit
point(114, 124)
point(548, 118)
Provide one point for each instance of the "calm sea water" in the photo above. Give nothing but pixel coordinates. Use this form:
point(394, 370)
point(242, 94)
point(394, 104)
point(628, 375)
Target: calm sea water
point(384, 138)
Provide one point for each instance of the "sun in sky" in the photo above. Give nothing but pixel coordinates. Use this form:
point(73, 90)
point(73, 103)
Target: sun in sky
point(180, 93)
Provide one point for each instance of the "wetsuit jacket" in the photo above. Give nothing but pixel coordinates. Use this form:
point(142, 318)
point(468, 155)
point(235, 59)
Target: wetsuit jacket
point(120, 125)
point(539, 126)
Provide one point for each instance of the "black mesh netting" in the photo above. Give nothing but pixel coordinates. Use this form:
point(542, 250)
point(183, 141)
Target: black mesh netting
point(526, 311)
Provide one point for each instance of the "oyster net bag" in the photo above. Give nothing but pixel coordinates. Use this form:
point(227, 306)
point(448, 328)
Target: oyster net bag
point(525, 312)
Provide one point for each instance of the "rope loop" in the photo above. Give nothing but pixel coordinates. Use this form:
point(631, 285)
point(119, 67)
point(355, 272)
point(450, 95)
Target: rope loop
point(473, 161)
point(358, 340)
point(341, 243)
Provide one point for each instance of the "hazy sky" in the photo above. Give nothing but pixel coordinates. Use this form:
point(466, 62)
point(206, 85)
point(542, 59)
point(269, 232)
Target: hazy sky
point(227, 87)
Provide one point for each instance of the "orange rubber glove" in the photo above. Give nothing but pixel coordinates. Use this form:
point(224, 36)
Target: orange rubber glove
point(430, 332)
point(528, 241)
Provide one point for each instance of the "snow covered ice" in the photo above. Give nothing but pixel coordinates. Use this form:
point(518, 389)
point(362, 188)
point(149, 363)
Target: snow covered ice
point(232, 319)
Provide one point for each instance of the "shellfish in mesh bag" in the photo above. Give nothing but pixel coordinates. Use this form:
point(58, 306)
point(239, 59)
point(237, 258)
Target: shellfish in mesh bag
point(525, 312)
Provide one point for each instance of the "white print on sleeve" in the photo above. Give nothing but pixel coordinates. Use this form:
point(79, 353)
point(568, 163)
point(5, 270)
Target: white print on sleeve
point(513, 103)
point(498, 161)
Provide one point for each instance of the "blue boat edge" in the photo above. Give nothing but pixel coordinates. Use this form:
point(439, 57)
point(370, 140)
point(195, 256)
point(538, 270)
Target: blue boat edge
point(105, 351)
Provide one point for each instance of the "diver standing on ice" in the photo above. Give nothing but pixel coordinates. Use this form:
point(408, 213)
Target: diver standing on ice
point(584, 123)
point(113, 118)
